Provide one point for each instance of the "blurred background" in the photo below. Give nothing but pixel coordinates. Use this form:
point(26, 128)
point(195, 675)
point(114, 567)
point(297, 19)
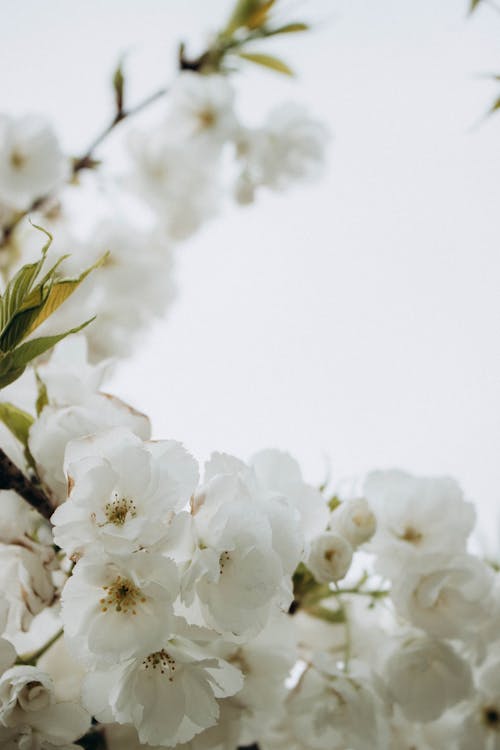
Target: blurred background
point(355, 322)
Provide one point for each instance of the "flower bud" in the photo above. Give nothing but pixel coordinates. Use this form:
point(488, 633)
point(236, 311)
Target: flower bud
point(355, 521)
point(330, 557)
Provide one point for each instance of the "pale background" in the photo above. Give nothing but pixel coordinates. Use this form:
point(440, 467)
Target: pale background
point(355, 322)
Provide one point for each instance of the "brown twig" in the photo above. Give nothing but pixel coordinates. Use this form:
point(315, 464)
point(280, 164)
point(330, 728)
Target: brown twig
point(12, 478)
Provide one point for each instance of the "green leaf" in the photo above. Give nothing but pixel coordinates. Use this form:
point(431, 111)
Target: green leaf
point(42, 398)
point(18, 288)
point(289, 28)
point(243, 10)
point(13, 364)
point(267, 61)
point(16, 420)
point(59, 293)
point(259, 17)
point(473, 5)
point(495, 107)
point(333, 503)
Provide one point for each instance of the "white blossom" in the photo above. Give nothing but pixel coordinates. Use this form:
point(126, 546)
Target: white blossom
point(246, 545)
point(331, 709)
point(447, 596)
point(178, 181)
point(480, 727)
point(27, 702)
point(201, 109)
point(290, 147)
point(279, 472)
point(416, 516)
point(169, 695)
point(330, 557)
point(114, 608)
point(26, 583)
point(355, 521)
point(425, 677)
point(31, 161)
point(123, 492)
point(56, 427)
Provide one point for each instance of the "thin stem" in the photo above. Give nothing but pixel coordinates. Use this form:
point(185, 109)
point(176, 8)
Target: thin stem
point(12, 478)
point(85, 161)
point(374, 593)
point(31, 659)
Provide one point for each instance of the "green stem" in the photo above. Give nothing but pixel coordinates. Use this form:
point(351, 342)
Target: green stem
point(31, 659)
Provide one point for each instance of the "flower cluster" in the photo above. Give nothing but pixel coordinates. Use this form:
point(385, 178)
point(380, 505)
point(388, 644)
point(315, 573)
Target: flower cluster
point(146, 601)
point(234, 607)
point(179, 172)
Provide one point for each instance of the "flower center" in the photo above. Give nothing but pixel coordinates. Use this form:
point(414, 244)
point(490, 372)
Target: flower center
point(207, 118)
point(491, 717)
point(223, 560)
point(17, 159)
point(162, 661)
point(411, 535)
point(122, 595)
point(117, 510)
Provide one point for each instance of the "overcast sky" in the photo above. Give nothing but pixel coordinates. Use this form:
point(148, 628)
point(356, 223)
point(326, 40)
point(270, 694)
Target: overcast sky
point(356, 321)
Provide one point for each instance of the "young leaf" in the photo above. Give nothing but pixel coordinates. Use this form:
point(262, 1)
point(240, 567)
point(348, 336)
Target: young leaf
point(259, 17)
point(43, 397)
point(495, 106)
point(242, 12)
point(16, 420)
point(59, 293)
point(18, 288)
point(267, 61)
point(13, 363)
point(289, 28)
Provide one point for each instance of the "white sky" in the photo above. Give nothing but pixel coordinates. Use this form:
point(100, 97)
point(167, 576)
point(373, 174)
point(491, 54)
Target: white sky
point(356, 320)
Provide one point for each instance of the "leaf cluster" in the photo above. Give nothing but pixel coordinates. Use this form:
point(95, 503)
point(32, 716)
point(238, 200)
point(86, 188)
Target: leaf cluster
point(250, 21)
point(28, 300)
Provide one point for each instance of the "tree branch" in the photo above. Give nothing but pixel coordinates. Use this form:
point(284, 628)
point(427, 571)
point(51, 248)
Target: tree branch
point(12, 478)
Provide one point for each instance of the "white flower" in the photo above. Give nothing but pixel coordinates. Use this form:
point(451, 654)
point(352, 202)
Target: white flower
point(201, 108)
point(279, 472)
point(355, 521)
point(31, 161)
point(426, 677)
point(21, 524)
point(265, 662)
point(26, 585)
point(222, 736)
point(27, 701)
point(289, 148)
point(178, 181)
point(480, 729)
point(123, 492)
point(329, 709)
point(131, 287)
point(447, 596)
point(247, 544)
point(114, 608)
point(415, 516)
point(169, 695)
point(56, 427)
point(330, 557)
point(67, 376)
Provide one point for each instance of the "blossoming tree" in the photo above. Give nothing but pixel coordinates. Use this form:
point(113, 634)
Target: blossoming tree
point(148, 602)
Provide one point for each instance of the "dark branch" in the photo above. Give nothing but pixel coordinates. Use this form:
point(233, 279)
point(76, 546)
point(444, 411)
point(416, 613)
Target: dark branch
point(12, 478)
point(95, 739)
